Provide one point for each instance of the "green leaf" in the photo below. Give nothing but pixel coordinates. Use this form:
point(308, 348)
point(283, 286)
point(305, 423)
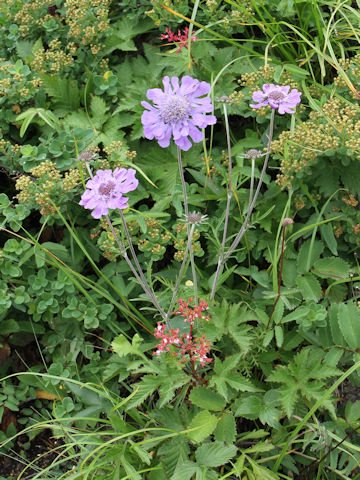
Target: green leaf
point(331, 267)
point(214, 454)
point(336, 334)
point(279, 335)
point(327, 233)
point(64, 92)
point(306, 249)
point(9, 326)
point(279, 311)
point(225, 376)
point(173, 452)
point(226, 429)
point(123, 347)
point(205, 398)
point(349, 323)
point(298, 314)
point(295, 70)
point(204, 424)
point(309, 287)
point(146, 387)
point(301, 377)
point(98, 109)
point(352, 411)
point(184, 470)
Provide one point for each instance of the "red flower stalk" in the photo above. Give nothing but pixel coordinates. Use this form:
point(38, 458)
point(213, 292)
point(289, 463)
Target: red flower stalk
point(180, 39)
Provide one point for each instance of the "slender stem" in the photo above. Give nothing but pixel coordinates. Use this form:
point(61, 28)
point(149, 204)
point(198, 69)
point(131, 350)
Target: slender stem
point(227, 212)
point(252, 180)
point(181, 271)
point(144, 286)
point(186, 208)
point(252, 205)
point(134, 256)
point(280, 276)
point(122, 248)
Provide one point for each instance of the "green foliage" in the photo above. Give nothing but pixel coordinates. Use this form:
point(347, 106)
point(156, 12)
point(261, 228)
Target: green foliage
point(76, 329)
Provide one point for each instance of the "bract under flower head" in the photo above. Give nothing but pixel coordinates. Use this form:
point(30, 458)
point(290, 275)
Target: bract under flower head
point(177, 112)
point(105, 190)
point(278, 97)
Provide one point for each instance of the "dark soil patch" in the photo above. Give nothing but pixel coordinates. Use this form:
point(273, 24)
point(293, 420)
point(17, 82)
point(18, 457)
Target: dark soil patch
point(15, 461)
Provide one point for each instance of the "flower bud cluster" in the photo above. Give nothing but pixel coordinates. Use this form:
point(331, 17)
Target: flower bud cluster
point(181, 241)
point(46, 186)
point(52, 60)
point(317, 137)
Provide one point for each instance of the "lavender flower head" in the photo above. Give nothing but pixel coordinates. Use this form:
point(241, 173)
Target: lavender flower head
point(105, 190)
point(177, 111)
point(277, 96)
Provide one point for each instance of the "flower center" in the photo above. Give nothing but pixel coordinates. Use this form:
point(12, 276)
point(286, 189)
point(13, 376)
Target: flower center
point(106, 189)
point(276, 96)
point(174, 108)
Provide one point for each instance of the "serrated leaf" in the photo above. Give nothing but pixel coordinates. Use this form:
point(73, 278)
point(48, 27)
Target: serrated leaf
point(123, 347)
point(336, 334)
point(204, 423)
point(309, 287)
point(214, 454)
point(184, 471)
point(205, 398)
point(174, 451)
point(145, 388)
point(296, 315)
point(64, 92)
point(306, 249)
point(278, 311)
point(98, 109)
point(331, 267)
point(226, 429)
point(269, 335)
point(349, 323)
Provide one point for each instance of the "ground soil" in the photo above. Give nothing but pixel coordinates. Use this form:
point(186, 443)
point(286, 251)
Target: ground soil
point(13, 462)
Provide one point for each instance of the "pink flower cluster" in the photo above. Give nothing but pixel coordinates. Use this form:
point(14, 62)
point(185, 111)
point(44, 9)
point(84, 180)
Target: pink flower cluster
point(191, 313)
point(186, 346)
point(179, 38)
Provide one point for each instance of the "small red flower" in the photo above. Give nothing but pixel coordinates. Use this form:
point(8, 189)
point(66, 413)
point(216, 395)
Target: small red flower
point(181, 39)
point(186, 347)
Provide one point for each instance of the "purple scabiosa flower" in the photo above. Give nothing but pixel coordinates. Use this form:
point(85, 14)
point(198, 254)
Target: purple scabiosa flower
point(177, 111)
point(105, 190)
point(277, 96)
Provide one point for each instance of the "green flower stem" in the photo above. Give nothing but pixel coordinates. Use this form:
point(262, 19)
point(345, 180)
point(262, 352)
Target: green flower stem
point(142, 276)
point(245, 225)
point(186, 208)
point(228, 201)
point(181, 271)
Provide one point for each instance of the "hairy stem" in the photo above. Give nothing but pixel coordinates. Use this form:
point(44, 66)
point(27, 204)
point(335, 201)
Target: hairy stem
point(186, 208)
point(142, 276)
point(245, 225)
point(142, 281)
point(181, 271)
point(227, 212)
point(280, 276)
